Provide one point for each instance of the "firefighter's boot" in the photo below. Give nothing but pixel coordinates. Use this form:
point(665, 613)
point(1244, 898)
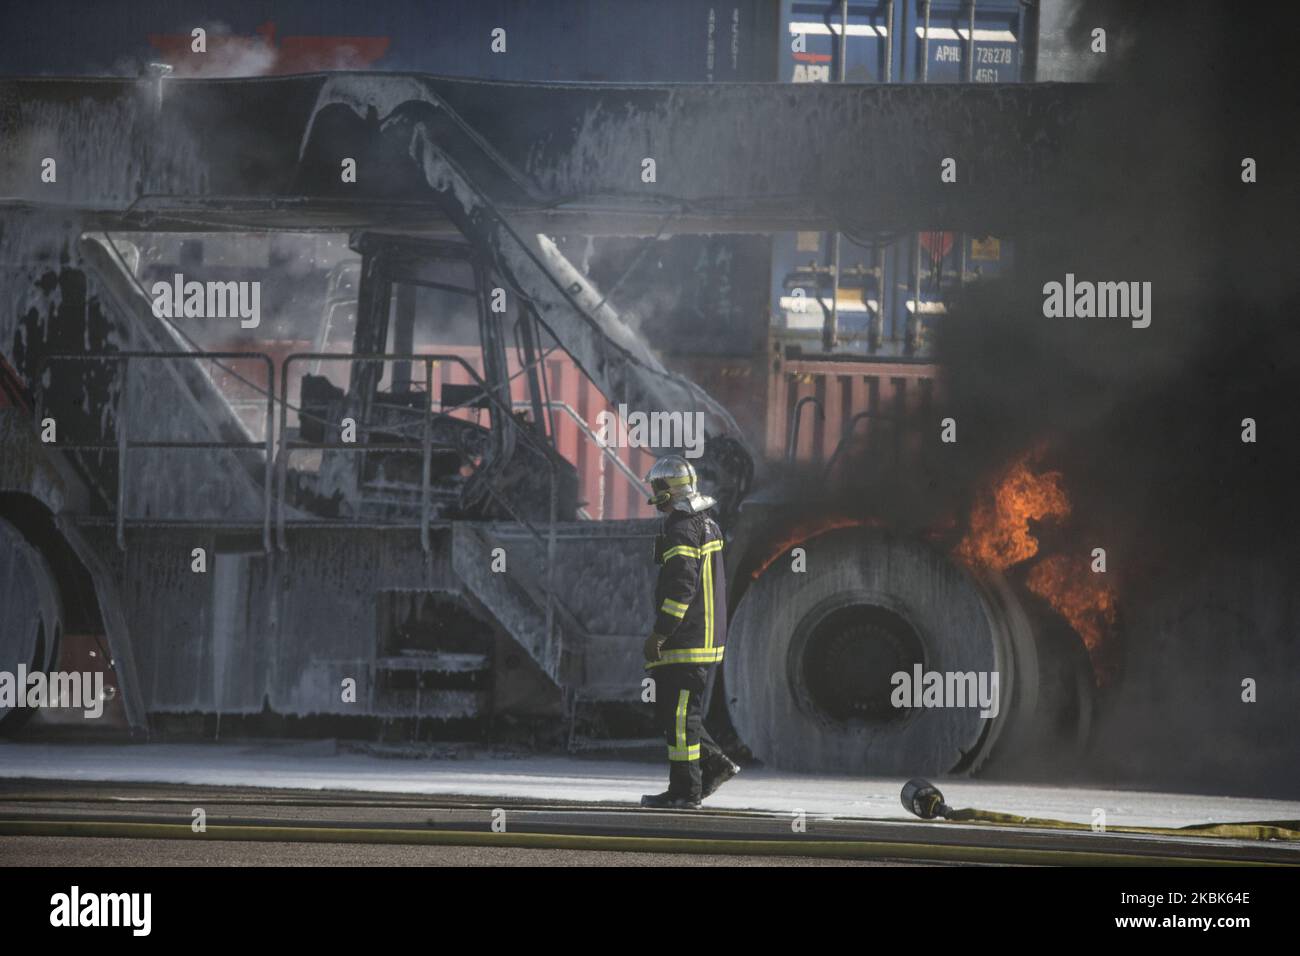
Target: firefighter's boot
point(717, 769)
point(669, 801)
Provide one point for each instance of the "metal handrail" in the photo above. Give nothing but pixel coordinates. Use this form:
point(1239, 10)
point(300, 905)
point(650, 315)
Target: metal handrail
point(124, 444)
point(507, 418)
point(847, 433)
point(798, 417)
point(587, 430)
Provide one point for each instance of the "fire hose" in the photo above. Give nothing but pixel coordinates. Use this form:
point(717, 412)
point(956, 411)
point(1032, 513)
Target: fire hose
point(924, 799)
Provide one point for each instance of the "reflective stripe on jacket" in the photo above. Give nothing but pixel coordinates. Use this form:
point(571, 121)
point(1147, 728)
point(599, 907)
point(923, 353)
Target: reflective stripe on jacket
point(690, 596)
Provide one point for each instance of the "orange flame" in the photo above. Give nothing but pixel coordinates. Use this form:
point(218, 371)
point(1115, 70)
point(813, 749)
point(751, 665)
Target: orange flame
point(1085, 599)
point(999, 538)
point(999, 524)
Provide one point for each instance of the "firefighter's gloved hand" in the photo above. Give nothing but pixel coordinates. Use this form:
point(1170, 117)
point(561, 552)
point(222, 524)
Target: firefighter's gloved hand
point(653, 644)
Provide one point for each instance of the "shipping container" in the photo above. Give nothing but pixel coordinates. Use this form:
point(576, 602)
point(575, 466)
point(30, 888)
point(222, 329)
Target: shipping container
point(839, 412)
point(904, 41)
point(576, 40)
point(891, 289)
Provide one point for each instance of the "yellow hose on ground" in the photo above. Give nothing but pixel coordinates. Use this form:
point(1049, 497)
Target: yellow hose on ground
point(1261, 830)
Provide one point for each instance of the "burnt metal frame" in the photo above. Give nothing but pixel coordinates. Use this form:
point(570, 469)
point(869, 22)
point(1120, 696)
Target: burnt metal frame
point(425, 446)
point(388, 260)
point(123, 443)
point(428, 360)
point(279, 461)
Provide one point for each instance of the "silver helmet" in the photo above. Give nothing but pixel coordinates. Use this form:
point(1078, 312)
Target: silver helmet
point(673, 483)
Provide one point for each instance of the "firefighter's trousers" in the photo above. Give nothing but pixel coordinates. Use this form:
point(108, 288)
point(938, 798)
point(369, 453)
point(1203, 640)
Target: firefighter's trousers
point(680, 691)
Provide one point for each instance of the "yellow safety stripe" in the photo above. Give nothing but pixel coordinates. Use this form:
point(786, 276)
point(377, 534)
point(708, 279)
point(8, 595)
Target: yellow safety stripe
point(689, 655)
point(683, 698)
point(690, 753)
point(692, 552)
point(675, 608)
point(708, 604)
point(681, 480)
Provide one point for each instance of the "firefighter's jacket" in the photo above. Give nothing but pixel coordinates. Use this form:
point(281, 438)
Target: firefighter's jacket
point(690, 596)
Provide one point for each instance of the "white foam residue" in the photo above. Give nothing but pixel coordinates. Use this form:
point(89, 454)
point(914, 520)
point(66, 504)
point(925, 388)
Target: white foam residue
point(361, 92)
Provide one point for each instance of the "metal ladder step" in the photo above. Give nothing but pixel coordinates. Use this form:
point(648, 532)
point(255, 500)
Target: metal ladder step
point(439, 662)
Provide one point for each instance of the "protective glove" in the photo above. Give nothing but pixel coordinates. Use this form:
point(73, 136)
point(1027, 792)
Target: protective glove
point(653, 644)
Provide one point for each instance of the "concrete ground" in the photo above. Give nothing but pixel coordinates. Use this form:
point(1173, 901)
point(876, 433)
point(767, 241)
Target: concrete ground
point(321, 765)
point(318, 803)
point(98, 851)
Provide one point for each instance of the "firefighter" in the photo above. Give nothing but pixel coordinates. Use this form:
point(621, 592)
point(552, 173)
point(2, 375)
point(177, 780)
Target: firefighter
point(690, 632)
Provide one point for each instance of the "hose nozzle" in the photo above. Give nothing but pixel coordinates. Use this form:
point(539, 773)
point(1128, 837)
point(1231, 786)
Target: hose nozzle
point(923, 798)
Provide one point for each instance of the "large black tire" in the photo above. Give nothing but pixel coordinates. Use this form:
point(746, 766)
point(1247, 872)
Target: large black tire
point(810, 658)
point(30, 616)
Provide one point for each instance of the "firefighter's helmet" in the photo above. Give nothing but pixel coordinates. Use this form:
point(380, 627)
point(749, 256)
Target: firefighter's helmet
point(675, 487)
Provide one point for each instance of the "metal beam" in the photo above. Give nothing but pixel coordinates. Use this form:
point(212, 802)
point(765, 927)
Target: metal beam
point(736, 157)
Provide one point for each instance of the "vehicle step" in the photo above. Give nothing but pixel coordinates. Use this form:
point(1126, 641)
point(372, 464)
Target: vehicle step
point(441, 662)
point(426, 704)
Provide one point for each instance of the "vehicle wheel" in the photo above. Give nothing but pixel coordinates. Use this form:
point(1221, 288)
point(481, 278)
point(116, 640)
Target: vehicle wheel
point(30, 616)
point(811, 656)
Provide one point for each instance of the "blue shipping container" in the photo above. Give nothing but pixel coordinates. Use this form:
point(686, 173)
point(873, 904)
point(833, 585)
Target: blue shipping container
point(641, 41)
point(891, 289)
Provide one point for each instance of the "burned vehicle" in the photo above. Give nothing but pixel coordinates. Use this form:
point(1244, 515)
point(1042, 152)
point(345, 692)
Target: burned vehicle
point(385, 501)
